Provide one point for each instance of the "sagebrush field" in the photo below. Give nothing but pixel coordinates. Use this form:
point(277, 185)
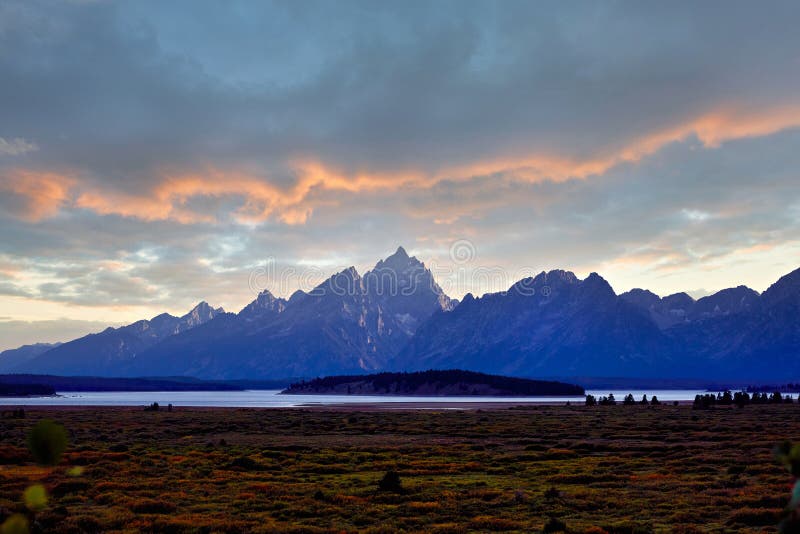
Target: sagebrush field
point(610, 469)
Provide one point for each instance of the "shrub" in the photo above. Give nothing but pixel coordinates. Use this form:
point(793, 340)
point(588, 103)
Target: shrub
point(741, 398)
point(608, 401)
point(554, 525)
point(246, 463)
point(702, 402)
point(391, 482)
point(552, 493)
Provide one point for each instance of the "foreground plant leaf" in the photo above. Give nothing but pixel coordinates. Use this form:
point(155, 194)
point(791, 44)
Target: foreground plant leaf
point(16, 524)
point(47, 442)
point(35, 497)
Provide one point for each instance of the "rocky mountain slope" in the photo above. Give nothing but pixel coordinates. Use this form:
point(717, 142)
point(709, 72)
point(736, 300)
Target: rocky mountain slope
point(12, 359)
point(396, 317)
point(557, 325)
point(349, 323)
point(549, 325)
point(110, 351)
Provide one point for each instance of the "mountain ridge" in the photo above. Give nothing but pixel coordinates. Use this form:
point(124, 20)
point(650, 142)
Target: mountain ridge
point(396, 317)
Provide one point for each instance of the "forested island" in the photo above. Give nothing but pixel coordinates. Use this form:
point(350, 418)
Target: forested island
point(432, 383)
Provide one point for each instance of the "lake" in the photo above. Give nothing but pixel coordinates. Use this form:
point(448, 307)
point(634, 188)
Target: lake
point(273, 399)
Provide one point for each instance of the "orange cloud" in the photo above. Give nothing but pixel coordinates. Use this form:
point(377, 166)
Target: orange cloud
point(37, 195)
point(712, 129)
point(259, 199)
point(169, 199)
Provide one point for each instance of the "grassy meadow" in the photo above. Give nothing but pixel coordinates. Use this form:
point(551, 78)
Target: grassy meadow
point(615, 469)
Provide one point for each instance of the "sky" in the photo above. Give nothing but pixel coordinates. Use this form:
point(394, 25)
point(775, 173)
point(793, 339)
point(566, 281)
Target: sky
point(153, 155)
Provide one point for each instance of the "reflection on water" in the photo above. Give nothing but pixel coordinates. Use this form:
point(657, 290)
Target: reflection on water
point(273, 399)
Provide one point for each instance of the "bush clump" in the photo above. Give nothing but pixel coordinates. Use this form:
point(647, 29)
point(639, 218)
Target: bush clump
point(391, 482)
point(554, 525)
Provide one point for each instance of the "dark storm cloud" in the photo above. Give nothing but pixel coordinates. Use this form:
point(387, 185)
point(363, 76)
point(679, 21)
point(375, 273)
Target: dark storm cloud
point(119, 90)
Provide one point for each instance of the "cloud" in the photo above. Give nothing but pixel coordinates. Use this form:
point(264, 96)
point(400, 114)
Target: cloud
point(15, 147)
point(181, 146)
point(261, 200)
point(32, 195)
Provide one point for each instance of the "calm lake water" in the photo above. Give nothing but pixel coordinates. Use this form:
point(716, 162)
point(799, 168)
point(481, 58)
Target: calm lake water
point(273, 399)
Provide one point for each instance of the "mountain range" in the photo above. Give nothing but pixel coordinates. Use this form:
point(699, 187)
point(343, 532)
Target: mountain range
point(396, 317)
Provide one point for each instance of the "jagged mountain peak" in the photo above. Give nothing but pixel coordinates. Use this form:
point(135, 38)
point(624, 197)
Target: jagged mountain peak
point(544, 282)
point(555, 276)
point(344, 283)
point(679, 299)
point(598, 285)
point(786, 286)
point(641, 292)
point(738, 291)
point(400, 253)
point(595, 278)
point(297, 296)
point(399, 261)
point(642, 298)
point(202, 312)
point(557, 324)
point(350, 272)
point(107, 352)
point(161, 317)
point(264, 304)
point(405, 288)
